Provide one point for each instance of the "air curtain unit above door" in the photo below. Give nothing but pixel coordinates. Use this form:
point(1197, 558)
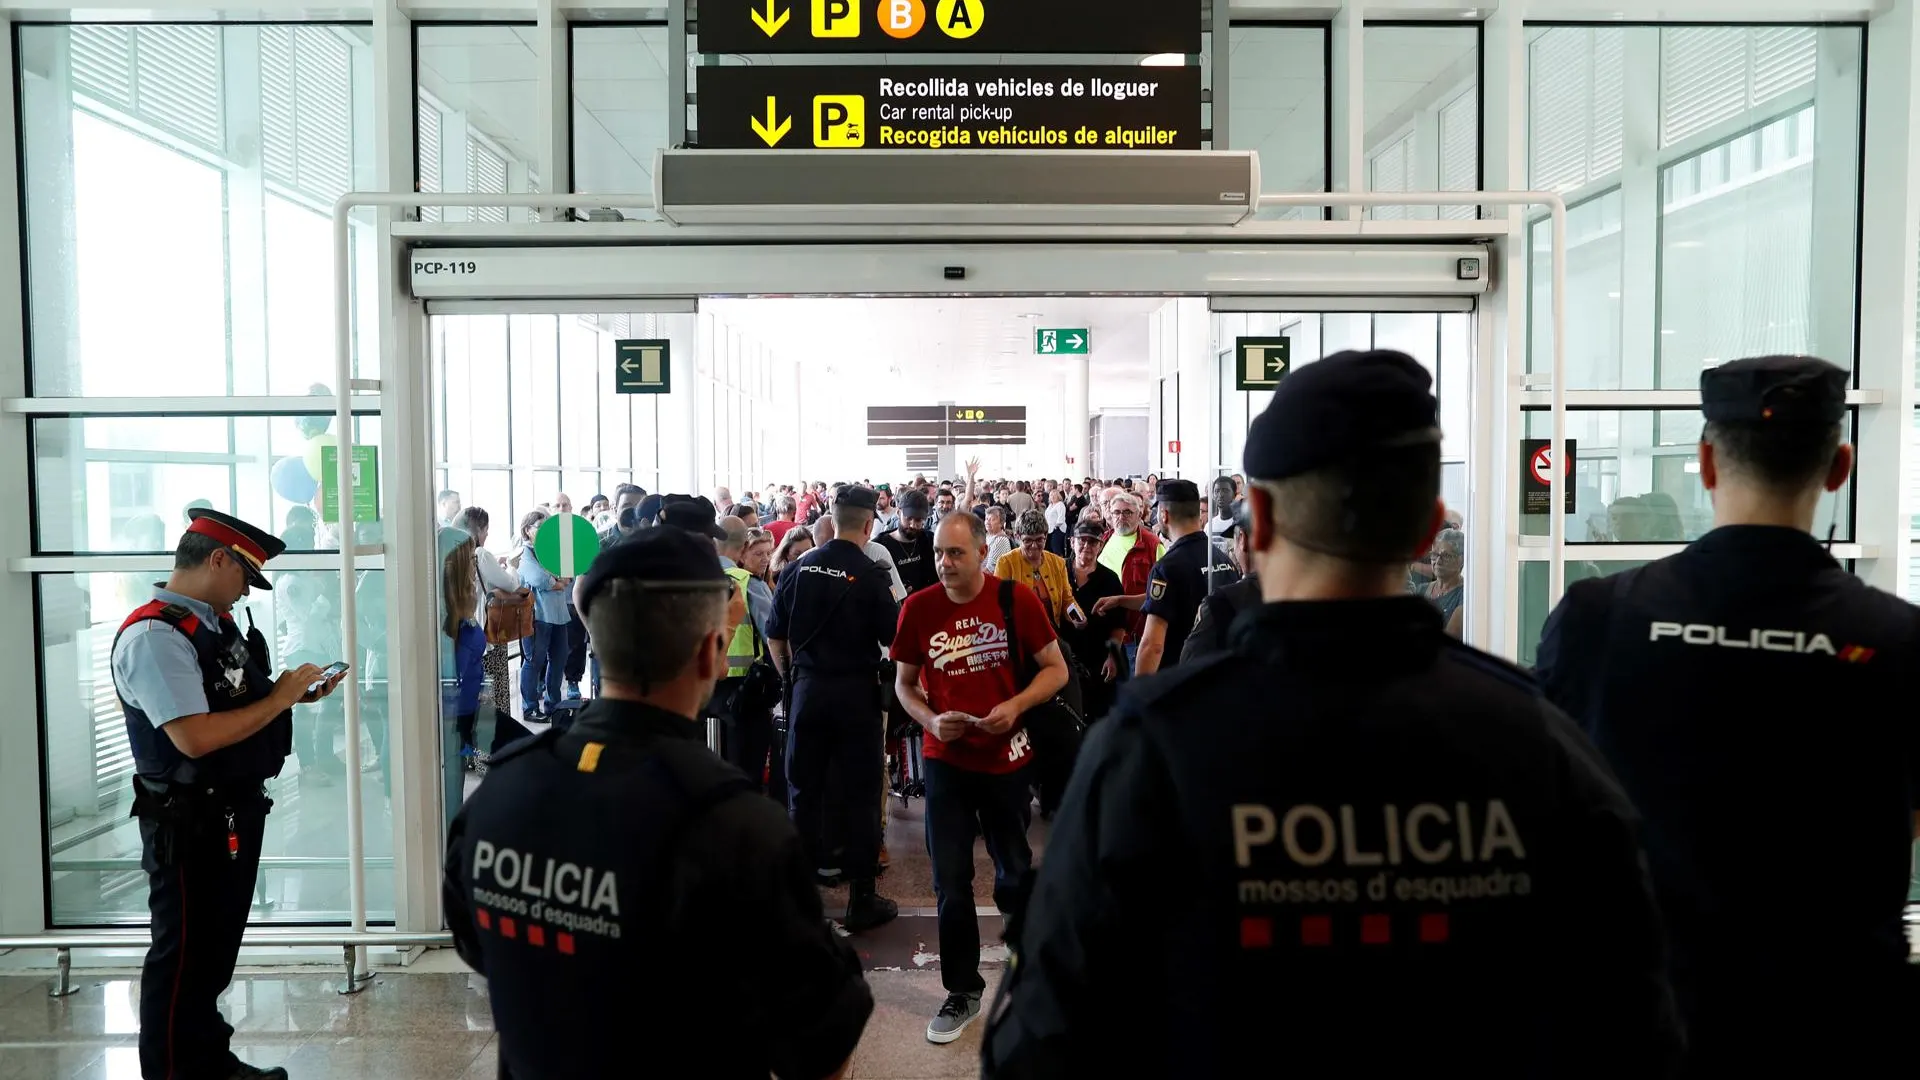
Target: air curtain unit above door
point(961, 187)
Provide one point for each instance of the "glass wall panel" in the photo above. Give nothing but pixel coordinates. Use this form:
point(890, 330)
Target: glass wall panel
point(1636, 479)
point(1277, 106)
point(1691, 241)
point(1422, 114)
point(476, 123)
point(125, 483)
point(94, 847)
point(620, 106)
point(215, 152)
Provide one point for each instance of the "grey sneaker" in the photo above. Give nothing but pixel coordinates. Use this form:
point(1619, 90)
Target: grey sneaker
point(953, 1017)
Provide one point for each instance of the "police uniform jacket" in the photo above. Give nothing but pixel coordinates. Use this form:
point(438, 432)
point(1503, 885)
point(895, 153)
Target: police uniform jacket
point(1755, 700)
point(176, 657)
point(1212, 630)
point(1353, 842)
point(834, 607)
point(637, 908)
point(1179, 583)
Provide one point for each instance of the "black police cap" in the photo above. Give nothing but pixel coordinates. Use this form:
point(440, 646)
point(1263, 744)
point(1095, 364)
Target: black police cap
point(251, 545)
point(1774, 389)
point(666, 559)
point(691, 514)
point(1342, 408)
point(1177, 491)
point(856, 496)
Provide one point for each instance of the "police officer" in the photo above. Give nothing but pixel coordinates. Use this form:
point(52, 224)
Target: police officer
point(1747, 669)
point(832, 614)
point(1212, 630)
point(1351, 842)
point(1191, 568)
point(209, 726)
point(634, 905)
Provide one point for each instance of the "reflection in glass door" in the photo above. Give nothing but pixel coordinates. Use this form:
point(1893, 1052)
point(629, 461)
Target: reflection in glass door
point(1442, 342)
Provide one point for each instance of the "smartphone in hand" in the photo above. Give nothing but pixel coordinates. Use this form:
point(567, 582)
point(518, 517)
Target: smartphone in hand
point(328, 674)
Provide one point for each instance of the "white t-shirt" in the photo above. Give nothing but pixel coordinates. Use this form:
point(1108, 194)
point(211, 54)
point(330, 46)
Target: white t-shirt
point(1057, 516)
point(493, 575)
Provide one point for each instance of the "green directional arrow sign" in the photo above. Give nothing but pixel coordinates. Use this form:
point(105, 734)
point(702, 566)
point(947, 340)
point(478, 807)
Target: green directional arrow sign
point(643, 366)
point(1262, 362)
point(1062, 342)
point(565, 545)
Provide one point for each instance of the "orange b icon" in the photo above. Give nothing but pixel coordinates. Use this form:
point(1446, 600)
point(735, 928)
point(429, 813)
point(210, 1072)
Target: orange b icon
point(901, 18)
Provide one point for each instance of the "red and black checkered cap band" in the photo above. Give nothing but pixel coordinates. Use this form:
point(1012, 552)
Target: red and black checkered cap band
point(232, 538)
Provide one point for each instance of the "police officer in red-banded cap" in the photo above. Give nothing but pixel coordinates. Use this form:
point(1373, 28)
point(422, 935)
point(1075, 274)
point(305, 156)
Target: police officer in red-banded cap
point(208, 725)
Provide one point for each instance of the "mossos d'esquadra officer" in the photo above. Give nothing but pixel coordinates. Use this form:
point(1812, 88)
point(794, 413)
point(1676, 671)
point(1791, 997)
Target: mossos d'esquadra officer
point(1756, 700)
point(209, 726)
point(636, 906)
point(1352, 842)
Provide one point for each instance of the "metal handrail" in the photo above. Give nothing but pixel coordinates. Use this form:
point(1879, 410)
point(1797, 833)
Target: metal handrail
point(349, 941)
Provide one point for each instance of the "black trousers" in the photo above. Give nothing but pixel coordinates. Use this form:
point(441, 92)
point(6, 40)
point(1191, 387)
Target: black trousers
point(575, 644)
point(834, 736)
point(199, 897)
point(745, 738)
point(962, 805)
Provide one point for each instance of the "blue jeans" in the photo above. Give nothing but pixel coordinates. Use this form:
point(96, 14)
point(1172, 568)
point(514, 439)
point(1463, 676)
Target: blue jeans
point(961, 805)
point(542, 656)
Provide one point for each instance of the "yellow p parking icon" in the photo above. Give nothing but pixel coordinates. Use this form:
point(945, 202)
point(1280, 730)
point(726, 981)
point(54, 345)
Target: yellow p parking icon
point(839, 120)
point(836, 19)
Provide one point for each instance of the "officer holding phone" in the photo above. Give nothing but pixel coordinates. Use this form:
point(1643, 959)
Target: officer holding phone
point(209, 726)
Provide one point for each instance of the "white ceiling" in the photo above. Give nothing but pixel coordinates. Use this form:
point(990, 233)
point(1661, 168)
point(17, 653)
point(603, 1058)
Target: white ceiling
point(620, 89)
point(913, 351)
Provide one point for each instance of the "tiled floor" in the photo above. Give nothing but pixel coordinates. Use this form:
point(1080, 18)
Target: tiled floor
point(404, 1027)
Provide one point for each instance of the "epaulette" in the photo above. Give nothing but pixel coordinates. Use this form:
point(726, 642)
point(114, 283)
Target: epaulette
point(176, 612)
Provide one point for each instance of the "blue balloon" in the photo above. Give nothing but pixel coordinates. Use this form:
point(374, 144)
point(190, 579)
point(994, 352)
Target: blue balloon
point(292, 481)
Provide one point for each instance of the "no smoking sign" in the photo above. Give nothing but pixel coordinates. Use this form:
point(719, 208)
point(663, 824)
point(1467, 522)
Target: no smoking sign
point(1537, 474)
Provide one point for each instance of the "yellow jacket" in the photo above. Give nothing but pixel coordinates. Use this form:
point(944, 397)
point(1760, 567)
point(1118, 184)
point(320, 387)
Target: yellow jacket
point(1049, 581)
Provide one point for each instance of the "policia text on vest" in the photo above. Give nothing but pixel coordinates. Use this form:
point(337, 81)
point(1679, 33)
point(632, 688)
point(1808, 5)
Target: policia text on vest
point(1002, 108)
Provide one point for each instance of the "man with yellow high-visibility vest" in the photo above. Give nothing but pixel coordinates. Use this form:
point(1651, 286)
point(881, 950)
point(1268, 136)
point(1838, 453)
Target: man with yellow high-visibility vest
point(744, 700)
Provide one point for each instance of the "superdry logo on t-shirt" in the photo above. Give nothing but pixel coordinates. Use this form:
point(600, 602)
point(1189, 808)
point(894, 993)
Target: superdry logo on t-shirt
point(972, 645)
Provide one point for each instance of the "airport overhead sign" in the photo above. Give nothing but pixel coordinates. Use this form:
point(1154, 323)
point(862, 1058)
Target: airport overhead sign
point(1062, 342)
point(922, 426)
point(643, 366)
point(1262, 362)
point(950, 26)
point(1054, 107)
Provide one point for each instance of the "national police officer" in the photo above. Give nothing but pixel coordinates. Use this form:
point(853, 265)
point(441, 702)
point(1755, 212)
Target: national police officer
point(832, 614)
point(1745, 691)
point(1352, 841)
point(1212, 629)
point(635, 906)
point(209, 726)
point(1191, 568)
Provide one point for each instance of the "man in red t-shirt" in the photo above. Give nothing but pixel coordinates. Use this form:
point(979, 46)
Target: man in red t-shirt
point(962, 679)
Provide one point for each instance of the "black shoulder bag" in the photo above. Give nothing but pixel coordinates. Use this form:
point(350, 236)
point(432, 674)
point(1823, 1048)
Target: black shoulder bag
point(1053, 726)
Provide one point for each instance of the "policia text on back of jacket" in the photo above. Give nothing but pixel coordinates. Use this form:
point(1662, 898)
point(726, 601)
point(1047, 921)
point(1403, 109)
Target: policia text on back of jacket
point(637, 907)
point(1756, 700)
point(209, 726)
point(1351, 843)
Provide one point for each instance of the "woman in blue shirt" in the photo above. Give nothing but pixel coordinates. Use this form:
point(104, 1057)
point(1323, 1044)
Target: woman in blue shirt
point(543, 655)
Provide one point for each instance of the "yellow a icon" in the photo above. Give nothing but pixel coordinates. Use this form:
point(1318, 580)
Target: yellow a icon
point(960, 18)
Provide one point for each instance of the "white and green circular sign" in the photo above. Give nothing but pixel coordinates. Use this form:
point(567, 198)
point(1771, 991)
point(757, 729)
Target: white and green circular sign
point(565, 545)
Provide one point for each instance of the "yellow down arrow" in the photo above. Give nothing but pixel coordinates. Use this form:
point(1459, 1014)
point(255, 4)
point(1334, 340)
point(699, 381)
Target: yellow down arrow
point(770, 23)
point(774, 129)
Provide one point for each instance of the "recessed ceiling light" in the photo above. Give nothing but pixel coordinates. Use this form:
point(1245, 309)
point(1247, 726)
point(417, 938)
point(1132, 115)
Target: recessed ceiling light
point(1165, 59)
point(1613, 296)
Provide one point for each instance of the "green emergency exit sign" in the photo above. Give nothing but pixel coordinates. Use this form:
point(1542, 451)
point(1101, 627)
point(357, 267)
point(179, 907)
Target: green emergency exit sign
point(1062, 342)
